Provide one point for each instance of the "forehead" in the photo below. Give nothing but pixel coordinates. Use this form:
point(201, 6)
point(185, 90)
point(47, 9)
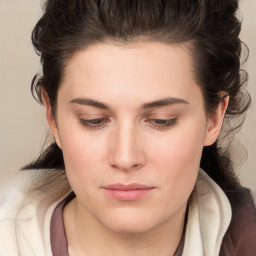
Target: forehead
point(147, 69)
point(146, 55)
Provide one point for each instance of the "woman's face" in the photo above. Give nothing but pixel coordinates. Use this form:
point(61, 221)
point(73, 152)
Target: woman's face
point(132, 126)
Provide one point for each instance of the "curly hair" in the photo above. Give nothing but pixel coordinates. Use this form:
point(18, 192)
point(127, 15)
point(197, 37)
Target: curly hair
point(210, 26)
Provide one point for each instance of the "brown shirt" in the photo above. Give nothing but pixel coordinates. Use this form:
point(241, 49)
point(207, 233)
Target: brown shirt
point(59, 243)
point(240, 238)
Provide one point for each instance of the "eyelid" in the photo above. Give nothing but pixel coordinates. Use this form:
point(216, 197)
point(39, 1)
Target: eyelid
point(91, 116)
point(94, 123)
point(166, 123)
point(160, 115)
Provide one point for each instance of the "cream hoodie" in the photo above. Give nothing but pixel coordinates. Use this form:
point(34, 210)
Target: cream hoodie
point(26, 211)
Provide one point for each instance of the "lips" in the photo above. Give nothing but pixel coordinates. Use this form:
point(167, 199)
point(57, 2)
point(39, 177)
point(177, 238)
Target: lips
point(133, 186)
point(130, 192)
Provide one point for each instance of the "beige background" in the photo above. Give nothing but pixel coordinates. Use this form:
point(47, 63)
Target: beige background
point(22, 123)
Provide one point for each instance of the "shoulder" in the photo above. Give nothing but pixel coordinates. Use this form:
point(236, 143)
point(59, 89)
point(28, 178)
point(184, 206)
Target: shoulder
point(26, 206)
point(31, 186)
point(240, 238)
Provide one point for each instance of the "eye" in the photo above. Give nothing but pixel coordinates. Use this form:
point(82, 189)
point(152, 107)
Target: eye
point(96, 123)
point(162, 123)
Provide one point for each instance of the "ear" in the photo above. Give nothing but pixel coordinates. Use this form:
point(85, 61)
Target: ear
point(50, 117)
point(215, 122)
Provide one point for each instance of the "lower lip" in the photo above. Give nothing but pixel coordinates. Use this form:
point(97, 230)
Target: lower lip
point(128, 195)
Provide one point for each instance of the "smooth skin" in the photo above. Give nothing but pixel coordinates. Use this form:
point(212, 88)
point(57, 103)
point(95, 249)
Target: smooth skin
point(130, 114)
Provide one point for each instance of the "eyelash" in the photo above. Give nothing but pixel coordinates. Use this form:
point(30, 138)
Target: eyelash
point(162, 124)
point(94, 124)
point(98, 123)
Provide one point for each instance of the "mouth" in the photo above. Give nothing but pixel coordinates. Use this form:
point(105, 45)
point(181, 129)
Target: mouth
point(130, 192)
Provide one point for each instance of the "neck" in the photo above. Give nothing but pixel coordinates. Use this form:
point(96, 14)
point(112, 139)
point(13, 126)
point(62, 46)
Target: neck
point(87, 236)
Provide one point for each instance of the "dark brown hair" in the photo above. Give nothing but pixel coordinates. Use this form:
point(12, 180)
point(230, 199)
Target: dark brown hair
point(209, 26)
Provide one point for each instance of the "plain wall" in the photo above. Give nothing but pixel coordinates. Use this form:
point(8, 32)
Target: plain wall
point(22, 123)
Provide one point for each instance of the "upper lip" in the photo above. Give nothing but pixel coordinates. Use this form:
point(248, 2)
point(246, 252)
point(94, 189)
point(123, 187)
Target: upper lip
point(132, 186)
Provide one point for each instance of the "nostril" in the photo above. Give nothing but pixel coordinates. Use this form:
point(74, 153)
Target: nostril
point(125, 167)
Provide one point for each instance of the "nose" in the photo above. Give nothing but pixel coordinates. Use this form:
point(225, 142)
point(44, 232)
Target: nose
point(126, 148)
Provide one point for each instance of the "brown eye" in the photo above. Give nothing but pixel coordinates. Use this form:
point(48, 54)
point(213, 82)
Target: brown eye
point(96, 123)
point(163, 123)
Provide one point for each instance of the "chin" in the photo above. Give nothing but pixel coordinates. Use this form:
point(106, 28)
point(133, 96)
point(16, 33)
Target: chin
point(129, 222)
point(130, 227)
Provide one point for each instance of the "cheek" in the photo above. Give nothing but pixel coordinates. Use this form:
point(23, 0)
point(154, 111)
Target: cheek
point(79, 145)
point(182, 147)
point(177, 157)
point(82, 155)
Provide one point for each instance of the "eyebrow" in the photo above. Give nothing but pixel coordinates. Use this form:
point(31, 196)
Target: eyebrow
point(89, 102)
point(154, 104)
point(164, 102)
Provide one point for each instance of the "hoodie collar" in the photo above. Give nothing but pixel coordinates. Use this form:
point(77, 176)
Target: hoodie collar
point(208, 219)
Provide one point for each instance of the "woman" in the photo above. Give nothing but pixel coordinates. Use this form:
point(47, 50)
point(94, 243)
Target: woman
point(136, 94)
